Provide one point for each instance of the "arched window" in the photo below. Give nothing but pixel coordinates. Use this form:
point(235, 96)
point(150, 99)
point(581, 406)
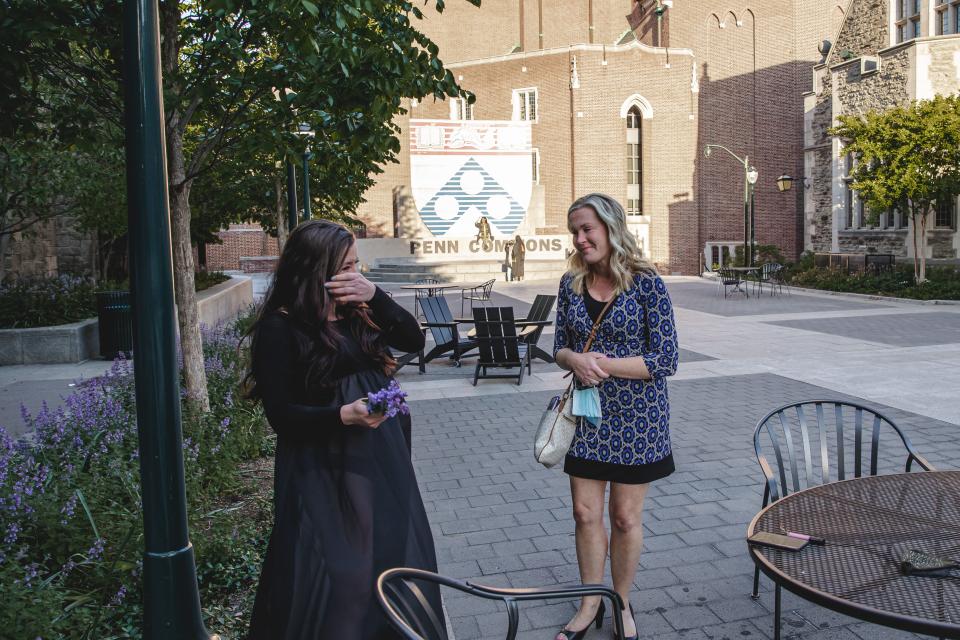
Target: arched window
point(634, 162)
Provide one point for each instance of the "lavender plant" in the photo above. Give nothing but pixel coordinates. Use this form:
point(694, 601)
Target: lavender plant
point(70, 508)
point(390, 401)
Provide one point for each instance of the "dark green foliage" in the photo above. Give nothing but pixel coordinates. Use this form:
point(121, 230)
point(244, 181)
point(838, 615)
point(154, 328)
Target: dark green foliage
point(907, 158)
point(45, 302)
point(943, 283)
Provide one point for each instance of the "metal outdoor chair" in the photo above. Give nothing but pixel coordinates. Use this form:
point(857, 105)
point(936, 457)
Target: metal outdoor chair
point(730, 278)
point(444, 329)
point(770, 274)
point(500, 346)
point(418, 294)
point(827, 434)
point(480, 293)
point(400, 593)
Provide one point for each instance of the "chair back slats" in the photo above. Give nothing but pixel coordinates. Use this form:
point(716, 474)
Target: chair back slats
point(513, 619)
point(497, 334)
point(805, 441)
point(776, 449)
point(824, 457)
point(788, 430)
point(857, 442)
point(791, 451)
point(415, 611)
point(874, 445)
point(435, 310)
point(841, 456)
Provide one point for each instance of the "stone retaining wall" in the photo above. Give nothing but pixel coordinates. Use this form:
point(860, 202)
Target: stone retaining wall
point(80, 341)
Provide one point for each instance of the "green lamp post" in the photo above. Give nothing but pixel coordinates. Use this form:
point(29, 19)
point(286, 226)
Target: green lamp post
point(750, 176)
point(171, 600)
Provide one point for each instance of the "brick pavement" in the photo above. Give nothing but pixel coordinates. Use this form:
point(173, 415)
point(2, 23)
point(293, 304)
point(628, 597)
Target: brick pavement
point(501, 519)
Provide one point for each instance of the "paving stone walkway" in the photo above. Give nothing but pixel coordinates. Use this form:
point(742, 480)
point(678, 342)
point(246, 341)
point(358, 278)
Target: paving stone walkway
point(499, 518)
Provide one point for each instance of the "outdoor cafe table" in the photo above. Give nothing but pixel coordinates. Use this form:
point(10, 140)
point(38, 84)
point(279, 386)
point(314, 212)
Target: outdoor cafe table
point(440, 286)
point(868, 523)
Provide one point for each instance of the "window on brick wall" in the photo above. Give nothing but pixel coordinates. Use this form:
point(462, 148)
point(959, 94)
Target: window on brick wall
point(535, 166)
point(460, 109)
point(525, 105)
point(908, 19)
point(634, 162)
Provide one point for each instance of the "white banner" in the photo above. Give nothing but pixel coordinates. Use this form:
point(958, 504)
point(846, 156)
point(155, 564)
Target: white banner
point(463, 169)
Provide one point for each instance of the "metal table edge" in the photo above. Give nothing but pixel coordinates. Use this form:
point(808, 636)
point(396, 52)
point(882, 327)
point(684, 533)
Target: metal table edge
point(840, 605)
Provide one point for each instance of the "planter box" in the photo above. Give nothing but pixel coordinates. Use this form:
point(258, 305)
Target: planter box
point(225, 301)
point(74, 342)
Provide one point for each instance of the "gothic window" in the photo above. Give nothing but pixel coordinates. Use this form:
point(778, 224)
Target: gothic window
point(634, 162)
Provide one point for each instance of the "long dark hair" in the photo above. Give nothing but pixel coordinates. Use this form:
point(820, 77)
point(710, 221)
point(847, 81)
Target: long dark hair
point(312, 255)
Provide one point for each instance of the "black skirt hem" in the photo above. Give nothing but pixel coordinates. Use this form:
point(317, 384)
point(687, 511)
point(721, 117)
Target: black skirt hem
point(622, 473)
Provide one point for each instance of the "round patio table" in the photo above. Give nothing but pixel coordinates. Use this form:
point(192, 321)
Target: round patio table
point(868, 524)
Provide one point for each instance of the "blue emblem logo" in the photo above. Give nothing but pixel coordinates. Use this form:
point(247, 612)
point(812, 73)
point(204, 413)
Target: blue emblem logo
point(473, 192)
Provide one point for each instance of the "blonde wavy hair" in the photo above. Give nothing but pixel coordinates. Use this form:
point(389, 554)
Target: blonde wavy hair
point(625, 257)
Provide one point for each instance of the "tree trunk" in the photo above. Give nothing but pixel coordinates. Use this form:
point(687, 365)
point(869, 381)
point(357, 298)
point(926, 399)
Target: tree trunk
point(4, 243)
point(923, 244)
point(281, 211)
point(188, 316)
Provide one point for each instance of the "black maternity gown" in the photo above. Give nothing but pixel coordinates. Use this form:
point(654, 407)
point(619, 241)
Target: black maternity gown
point(346, 502)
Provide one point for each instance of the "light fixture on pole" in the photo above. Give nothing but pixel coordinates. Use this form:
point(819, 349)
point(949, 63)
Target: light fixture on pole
point(785, 182)
point(750, 176)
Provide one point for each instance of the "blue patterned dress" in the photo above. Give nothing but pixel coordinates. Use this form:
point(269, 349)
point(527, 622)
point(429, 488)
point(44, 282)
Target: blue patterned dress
point(631, 445)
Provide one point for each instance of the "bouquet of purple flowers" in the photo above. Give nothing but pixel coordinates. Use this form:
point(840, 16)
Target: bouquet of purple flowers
point(389, 401)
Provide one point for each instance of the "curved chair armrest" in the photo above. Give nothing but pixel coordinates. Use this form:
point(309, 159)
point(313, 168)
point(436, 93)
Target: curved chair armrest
point(463, 320)
point(539, 593)
point(921, 461)
point(533, 323)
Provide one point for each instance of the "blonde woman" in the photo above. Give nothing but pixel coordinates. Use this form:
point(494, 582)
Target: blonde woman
point(633, 353)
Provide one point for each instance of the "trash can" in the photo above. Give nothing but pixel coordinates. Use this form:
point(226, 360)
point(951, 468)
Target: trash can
point(115, 323)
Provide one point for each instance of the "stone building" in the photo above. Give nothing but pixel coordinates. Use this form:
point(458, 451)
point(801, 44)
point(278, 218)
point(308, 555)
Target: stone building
point(887, 53)
point(618, 96)
point(49, 248)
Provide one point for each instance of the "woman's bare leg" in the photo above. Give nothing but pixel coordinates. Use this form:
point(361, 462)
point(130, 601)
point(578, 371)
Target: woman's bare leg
point(626, 540)
point(591, 539)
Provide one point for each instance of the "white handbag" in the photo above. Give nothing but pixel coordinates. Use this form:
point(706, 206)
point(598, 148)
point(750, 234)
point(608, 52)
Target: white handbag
point(558, 425)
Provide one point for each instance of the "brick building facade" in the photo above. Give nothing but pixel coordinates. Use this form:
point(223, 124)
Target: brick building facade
point(887, 53)
point(625, 95)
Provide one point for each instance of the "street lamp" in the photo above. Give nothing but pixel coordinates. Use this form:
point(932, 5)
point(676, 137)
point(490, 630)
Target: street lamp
point(303, 129)
point(785, 182)
point(750, 176)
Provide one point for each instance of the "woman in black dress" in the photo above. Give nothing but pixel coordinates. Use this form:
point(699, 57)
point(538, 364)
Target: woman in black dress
point(346, 502)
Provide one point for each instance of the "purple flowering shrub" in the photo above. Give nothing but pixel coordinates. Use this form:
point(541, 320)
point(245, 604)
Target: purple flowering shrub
point(71, 533)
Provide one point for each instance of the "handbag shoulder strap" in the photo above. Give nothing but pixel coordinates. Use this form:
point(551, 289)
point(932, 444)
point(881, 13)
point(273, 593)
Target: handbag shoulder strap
point(593, 334)
point(596, 325)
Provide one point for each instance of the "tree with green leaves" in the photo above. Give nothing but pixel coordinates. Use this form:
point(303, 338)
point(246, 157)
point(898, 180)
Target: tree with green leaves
point(244, 74)
point(908, 158)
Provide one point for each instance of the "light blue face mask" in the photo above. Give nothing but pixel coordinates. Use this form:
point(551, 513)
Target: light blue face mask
point(586, 403)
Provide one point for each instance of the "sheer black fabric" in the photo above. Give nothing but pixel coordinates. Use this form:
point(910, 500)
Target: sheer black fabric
point(346, 501)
